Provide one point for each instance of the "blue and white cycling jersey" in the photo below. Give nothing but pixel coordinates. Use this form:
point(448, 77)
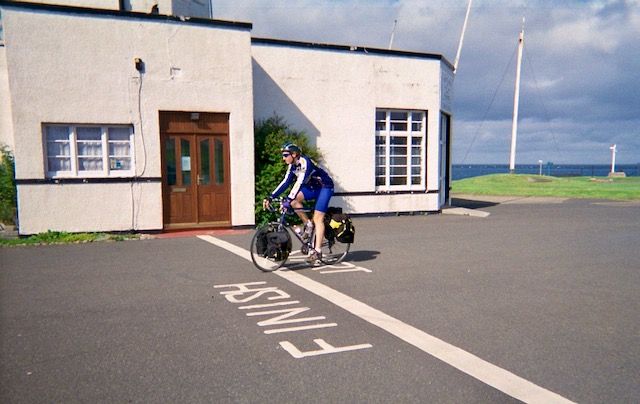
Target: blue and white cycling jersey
point(307, 173)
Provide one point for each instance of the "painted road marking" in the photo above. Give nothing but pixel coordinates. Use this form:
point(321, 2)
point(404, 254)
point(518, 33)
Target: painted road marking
point(235, 293)
point(326, 348)
point(501, 379)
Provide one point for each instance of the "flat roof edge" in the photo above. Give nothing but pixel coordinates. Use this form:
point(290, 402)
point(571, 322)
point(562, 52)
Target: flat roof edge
point(125, 14)
point(348, 48)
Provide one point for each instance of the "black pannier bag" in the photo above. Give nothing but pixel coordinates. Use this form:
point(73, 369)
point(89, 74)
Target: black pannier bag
point(278, 244)
point(261, 240)
point(343, 228)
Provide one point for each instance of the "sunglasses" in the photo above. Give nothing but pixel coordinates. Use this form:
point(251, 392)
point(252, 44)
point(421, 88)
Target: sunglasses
point(285, 155)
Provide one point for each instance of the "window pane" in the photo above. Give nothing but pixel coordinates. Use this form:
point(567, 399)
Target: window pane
point(399, 158)
point(399, 126)
point(90, 164)
point(121, 134)
point(397, 161)
point(401, 140)
point(119, 149)
point(89, 144)
point(185, 161)
point(205, 176)
point(89, 148)
point(59, 164)
point(119, 163)
point(399, 116)
point(88, 133)
point(170, 159)
point(219, 151)
point(395, 171)
point(58, 148)
point(57, 133)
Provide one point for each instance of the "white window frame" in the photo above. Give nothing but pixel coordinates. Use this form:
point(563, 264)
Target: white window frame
point(110, 163)
point(390, 135)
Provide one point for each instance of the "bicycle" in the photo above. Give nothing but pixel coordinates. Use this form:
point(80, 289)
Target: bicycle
point(267, 260)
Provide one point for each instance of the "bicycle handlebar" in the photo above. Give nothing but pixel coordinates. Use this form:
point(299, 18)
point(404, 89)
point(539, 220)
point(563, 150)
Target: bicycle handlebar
point(289, 211)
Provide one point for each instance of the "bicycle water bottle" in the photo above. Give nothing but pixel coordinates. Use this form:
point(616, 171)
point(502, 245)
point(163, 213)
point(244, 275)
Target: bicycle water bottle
point(297, 229)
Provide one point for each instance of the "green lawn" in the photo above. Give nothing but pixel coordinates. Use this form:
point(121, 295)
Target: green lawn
point(535, 185)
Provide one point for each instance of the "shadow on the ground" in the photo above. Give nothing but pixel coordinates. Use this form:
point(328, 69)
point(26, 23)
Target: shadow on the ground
point(362, 255)
point(471, 204)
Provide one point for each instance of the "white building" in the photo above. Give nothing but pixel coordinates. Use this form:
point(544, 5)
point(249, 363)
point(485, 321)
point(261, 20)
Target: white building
point(124, 121)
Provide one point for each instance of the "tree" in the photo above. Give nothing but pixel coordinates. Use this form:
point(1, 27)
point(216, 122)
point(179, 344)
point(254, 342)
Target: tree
point(8, 200)
point(269, 136)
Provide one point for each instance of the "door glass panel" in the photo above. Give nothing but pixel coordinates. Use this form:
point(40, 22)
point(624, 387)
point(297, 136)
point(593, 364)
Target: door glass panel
point(185, 161)
point(205, 177)
point(170, 158)
point(219, 153)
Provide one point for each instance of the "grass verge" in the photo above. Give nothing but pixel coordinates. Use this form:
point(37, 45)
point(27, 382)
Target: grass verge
point(57, 237)
point(534, 185)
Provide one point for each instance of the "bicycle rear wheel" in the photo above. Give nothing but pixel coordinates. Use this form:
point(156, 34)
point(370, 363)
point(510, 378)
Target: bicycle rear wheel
point(334, 251)
point(259, 254)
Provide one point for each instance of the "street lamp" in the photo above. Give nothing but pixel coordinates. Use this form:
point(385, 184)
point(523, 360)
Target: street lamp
point(540, 162)
point(613, 158)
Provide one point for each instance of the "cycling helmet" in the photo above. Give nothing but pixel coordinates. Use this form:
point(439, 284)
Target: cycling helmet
point(291, 147)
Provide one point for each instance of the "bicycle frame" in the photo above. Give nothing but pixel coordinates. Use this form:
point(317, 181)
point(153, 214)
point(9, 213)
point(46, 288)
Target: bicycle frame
point(284, 224)
point(333, 252)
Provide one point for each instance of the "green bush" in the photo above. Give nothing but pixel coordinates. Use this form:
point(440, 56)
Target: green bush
point(7, 186)
point(270, 135)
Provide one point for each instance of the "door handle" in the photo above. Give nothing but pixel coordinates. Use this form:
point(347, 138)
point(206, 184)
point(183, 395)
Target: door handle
point(198, 179)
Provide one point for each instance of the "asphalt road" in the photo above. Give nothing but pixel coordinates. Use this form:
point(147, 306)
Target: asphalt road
point(539, 301)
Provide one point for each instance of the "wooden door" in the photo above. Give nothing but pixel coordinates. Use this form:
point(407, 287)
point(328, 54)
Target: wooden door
point(195, 165)
point(212, 179)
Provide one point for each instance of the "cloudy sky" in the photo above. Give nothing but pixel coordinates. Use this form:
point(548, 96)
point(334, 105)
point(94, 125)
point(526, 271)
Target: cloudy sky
point(580, 86)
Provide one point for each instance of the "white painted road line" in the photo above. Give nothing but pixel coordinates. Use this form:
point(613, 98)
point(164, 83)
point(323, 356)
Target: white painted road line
point(466, 362)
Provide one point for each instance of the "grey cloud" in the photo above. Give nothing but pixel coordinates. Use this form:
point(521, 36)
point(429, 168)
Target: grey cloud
point(580, 89)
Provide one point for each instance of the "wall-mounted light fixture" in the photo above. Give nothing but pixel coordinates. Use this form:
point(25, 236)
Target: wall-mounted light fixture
point(195, 116)
point(139, 65)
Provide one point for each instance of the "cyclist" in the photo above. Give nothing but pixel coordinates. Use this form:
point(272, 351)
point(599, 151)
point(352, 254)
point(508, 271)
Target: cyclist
point(311, 182)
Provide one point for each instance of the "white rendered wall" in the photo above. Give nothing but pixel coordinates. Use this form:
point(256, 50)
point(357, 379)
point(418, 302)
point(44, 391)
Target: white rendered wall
point(187, 8)
point(80, 69)
point(102, 4)
point(333, 96)
point(6, 131)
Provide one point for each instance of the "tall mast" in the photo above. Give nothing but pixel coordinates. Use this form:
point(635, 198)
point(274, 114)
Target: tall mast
point(464, 28)
point(516, 101)
point(393, 33)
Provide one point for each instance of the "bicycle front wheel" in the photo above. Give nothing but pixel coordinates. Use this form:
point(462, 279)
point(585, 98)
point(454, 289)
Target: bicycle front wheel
point(262, 258)
point(334, 251)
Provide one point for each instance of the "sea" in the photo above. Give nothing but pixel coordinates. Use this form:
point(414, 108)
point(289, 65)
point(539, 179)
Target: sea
point(461, 171)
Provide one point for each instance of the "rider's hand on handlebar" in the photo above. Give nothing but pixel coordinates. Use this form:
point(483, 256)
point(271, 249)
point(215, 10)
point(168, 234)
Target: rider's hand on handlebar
point(266, 203)
point(285, 206)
